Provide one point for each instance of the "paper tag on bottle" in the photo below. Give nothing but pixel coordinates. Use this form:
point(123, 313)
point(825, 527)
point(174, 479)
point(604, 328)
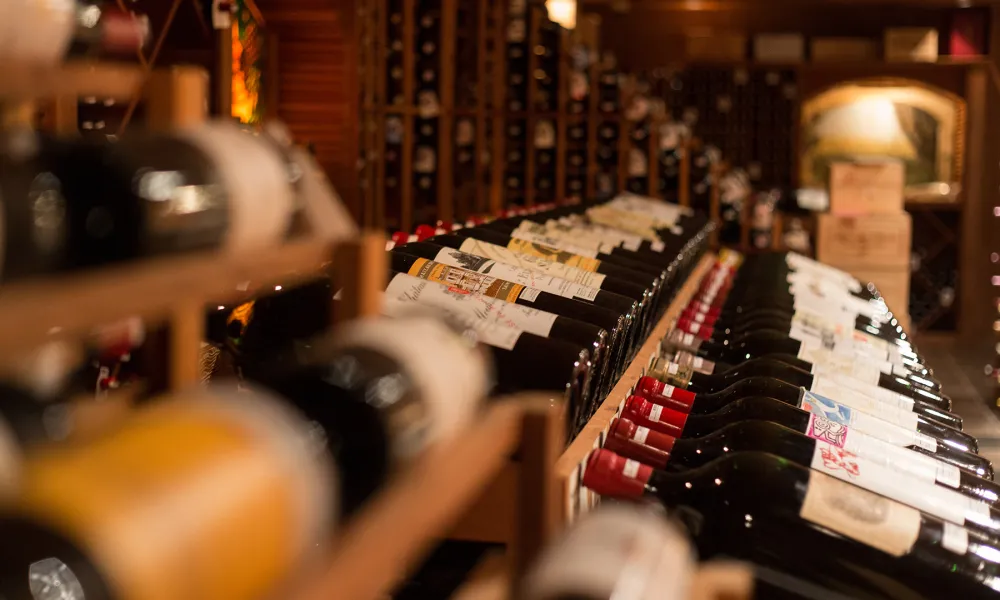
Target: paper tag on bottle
point(655, 412)
point(860, 515)
point(923, 495)
point(558, 255)
point(631, 469)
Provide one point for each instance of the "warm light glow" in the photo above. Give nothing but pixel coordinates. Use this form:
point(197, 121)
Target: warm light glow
point(243, 102)
point(868, 126)
point(562, 12)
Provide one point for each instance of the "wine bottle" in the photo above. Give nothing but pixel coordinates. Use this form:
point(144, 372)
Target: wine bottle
point(590, 326)
point(372, 388)
point(828, 383)
point(812, 419)
point(789, 394)
point(914, 554)
point(477, 308)
point(905, 476)
point(214, 186)
point(614, 548)
point(111, 492)
point(45, 34)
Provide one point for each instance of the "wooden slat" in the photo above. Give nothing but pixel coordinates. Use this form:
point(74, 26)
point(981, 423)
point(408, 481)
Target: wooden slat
point(445, 165)
point(568, 467)
point(490, 580)
point(562, 108)
point(106, 80)
point(409, 92)
point(385, 541)
point(35, 311)
point(592, 124)
point(684, 176)
point(499, 104)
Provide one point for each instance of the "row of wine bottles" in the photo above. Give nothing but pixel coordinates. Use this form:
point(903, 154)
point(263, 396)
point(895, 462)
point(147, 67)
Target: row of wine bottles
point(75, 204)
point(788, 410)
point(324, 418)
point(47, 33)
point(234, 474)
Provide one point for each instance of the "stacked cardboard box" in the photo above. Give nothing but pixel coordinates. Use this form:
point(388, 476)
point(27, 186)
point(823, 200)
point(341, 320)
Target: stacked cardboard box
point(867, 232)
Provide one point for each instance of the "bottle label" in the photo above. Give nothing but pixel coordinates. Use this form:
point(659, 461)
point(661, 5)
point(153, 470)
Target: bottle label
point(679, 339)
point(554, 242)
point(531, 262)
point(955, 539)
point(925, 496)
point(864, 423)
point(672, 373)
point(824, 359)
point(498, 336)
point(458, 301)
point(526, 277)
point(893, 413)
point(695, 363)
point(860, 515)
point(640, 435)
point(919, 466)
point(550, 253)
point(468, 281)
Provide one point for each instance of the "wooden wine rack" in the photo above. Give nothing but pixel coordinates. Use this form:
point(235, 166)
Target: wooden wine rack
point(385, 541)
point(570, 465)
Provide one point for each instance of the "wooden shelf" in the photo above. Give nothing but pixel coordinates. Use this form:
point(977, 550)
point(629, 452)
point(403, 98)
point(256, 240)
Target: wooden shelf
point(36, 311)
point(104, 80)
point(867, 66)
point(380, 546)
point(569, 466)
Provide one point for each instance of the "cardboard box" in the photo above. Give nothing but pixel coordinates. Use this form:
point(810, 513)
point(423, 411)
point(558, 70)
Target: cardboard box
point(779, 47)
point(911, 44)
point(894, 285)
point(719, 47)
point(842, 48)
point(869, 242)
point(867, 187)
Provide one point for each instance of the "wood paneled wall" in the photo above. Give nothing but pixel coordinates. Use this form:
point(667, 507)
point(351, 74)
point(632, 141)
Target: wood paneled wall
point(318, 83)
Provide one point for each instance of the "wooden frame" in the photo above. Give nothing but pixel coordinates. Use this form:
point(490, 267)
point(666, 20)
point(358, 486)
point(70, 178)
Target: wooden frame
point(569, 466)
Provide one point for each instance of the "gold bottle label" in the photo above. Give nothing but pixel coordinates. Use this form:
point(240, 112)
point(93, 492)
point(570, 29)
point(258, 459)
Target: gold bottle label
point(466, 281)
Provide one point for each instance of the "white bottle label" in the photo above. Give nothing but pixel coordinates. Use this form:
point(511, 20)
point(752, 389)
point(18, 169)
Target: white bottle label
point(860, 515)
point(655, 412)
point(866, 404)
point(935, 500)
point(534, 263)
point(864, 423)
point(919, 466)
point(631, 469)
point(641, 433)
point(554, 243)
point(955, 539)
point(498, 336)
point(486, 309)
point(422, 345)
point(860, 368)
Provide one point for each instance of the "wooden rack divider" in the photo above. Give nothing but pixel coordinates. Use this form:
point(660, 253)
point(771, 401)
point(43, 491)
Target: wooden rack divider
point(570, 465)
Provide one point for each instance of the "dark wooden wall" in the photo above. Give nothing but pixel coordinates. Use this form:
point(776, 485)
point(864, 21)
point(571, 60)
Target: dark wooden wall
point(318, 82)
point(651, 34)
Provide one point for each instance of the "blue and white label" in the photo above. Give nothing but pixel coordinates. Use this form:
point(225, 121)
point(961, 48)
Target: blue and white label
point(864, 423)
